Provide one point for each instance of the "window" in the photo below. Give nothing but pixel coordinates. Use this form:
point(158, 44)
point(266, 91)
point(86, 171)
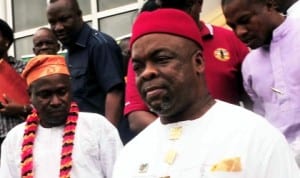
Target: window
point(28, 14)
point(23, 47)
point(109, 4)
point(117, 25)
point(114, 17)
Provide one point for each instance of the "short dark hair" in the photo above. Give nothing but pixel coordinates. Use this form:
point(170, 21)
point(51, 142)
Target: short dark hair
point(223, 2)
point(74, 6)
point(149, 5)
point(6, 31)
point(178, 4)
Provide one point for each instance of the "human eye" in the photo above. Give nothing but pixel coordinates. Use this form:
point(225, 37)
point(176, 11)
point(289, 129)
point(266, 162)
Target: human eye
point(65, 18)
point(39, 44)
point(51, 21)
point(137, 66)
point(231, 25)
point(162, 58)
point(45, 94)
point(62, 91)
point(244, 19)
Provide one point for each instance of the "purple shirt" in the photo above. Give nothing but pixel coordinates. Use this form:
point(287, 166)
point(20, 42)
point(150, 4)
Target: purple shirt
point(272, 79)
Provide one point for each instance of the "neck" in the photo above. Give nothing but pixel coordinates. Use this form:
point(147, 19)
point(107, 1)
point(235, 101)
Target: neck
point(51, 125)
point(32, 121)
point(192, 111)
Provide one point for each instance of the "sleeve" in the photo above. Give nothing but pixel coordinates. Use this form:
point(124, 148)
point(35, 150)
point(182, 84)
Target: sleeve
point(281, 163)
point(6, 169)
point(111, 146)
point(107, 61)
point(247, 83)
point(133, 100)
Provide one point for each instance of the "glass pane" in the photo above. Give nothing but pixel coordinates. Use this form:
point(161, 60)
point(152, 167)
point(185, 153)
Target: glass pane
point(109, 4)
point(117, 25)
point(32, 13)
point(23, 47)
point(85, 6)
point(29, 14)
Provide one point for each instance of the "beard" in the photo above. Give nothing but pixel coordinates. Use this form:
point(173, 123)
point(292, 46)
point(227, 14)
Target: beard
point(161, 108)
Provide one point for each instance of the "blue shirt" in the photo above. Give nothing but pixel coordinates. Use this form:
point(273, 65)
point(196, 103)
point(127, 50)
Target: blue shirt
point(95, 64)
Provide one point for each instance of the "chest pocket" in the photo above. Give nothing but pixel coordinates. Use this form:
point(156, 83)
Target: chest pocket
point(78, 65)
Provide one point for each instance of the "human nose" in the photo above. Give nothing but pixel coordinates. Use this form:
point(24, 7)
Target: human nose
point(55, 100)
point(149, 72)
point(57, 26)
point(44, 46)
point(241, 31)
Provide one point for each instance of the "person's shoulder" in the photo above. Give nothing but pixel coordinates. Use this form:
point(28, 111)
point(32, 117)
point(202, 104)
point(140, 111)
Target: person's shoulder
point(90, 117)
point(16, 132)
point(103, 37)
point(256, 55)
point(227, 36)
point(146, 136)
point(94, 121)
point(223, 32)
point(237, 117)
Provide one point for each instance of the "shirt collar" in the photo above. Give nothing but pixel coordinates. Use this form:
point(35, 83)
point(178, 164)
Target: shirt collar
point(206, 30)
point(282, 30)
point(82, 37)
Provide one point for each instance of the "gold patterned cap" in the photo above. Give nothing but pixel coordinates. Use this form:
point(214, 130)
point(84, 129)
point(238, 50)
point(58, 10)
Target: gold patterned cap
point(44, 65)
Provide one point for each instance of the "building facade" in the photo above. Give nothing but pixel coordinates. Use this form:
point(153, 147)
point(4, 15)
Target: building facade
point(113, 17)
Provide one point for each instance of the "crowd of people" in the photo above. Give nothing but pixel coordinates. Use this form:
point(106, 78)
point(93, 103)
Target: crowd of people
point(178, 98)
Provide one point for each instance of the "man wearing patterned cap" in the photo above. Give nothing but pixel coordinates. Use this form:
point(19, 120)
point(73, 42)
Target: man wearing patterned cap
point(57, 140)
point(195, 136)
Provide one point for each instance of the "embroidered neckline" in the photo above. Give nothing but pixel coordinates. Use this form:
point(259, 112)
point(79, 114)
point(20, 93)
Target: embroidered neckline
point(31, 126)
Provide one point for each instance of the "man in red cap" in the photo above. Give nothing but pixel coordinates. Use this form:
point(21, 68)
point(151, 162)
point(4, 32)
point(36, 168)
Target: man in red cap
point(57, 140)
point(195, 135)
point(223, 53)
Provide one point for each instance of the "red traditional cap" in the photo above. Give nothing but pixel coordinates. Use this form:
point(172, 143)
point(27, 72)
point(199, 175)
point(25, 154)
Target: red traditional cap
point(44, 65)
point(166, 20)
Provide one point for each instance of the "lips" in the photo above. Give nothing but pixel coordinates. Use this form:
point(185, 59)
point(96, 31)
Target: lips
point(61, 36)
point(248, 41)
point(153, 92)
point(57, 112)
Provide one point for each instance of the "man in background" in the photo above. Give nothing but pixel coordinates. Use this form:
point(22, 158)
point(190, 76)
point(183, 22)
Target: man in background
point(275, 43)
point(45, 42)
point(11, 113)
point(94, 60)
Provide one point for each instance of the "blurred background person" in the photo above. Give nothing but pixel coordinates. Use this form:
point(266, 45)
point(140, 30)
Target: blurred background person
point(45, 42)
point(11, 113)
point(94, 60)
point(275, 43)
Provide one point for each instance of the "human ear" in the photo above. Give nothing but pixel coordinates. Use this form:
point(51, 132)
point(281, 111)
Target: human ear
point(199, 62)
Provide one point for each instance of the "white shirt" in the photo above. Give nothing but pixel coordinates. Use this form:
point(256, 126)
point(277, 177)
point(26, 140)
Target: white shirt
point(96, 147)
point(294, 10)
point(227, 141)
